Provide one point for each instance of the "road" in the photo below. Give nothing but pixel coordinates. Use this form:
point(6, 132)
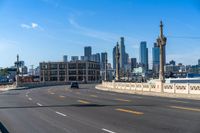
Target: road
point(59, 109)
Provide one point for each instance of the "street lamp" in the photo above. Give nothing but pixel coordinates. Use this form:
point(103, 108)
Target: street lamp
point(161, 43)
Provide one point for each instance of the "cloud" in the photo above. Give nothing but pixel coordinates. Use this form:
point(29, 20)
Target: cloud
point(34, 25)
point(92, 33)
point(109, 37)
point(25, 26)
point(30, 26)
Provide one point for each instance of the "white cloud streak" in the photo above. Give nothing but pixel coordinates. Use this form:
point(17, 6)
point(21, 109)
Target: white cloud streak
point(30, 26)
point(93, 33)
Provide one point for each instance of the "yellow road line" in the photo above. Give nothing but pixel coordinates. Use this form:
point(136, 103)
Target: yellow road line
point(93, 95)
point(130, 111)
point(84, 102)
point(62, 96)
point(186, 108)
point(179, 101)
point(123, 100)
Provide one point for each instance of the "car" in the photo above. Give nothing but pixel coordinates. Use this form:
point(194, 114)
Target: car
point(74, 85)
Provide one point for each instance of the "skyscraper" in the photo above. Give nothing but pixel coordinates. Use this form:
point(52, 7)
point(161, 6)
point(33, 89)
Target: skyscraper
point(65, 58)
point(172, 62)
point(87, 52)
point(103, 60)
point(114, 57)
point(199, 62)
point(95, 57)
point(156, 58)
point(74, 58)
point(126, 59)
point(122, 59)
point(144, 55)
point(133, 63)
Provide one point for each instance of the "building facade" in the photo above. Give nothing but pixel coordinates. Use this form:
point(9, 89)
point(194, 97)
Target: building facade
point(122, 59)
point(65, 58)
point(80, 71)
point(144, 55)
point(74, 58)
point(87, 52)
point(104, 56)
point(133, 63)
point(114, 57)
point(156, 59)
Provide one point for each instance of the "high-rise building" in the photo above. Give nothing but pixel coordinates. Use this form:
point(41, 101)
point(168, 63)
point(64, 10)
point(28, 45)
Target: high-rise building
point(114, 57)
point(95, 57)
point(133, 63)
point(122, 59)
point(104, 56)
point(172, 62)
point(126, 59)
point(65, 58)
point(88, 51)
point(144, 55)
point(199, 62)
point(74, 58)
point(156, 58)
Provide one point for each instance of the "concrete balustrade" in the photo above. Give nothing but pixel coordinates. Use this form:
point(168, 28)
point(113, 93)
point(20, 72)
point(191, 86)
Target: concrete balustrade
point(153, 87)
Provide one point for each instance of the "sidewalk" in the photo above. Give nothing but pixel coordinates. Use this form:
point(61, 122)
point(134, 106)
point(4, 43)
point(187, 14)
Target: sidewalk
point(158, 94)
point(4, 88)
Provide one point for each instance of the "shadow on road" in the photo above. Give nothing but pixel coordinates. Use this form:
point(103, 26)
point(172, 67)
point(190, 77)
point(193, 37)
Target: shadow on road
point(75, 105)
point(3, 128)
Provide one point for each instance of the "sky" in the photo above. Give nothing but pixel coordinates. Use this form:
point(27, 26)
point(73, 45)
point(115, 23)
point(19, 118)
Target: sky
point(45, 30)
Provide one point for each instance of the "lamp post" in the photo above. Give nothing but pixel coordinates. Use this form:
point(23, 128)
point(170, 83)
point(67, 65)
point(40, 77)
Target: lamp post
point(161, 43)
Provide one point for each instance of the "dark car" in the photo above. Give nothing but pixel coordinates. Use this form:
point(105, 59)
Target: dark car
point(74, 85)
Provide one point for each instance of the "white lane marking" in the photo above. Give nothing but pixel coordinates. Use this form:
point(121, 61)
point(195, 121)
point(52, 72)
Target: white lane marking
point(60, 113)
point(106, 130)
point(30, 99)
point(179, 101)
point(39, 104)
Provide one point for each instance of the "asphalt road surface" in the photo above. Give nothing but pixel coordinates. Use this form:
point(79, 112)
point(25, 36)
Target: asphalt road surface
point(60, 109)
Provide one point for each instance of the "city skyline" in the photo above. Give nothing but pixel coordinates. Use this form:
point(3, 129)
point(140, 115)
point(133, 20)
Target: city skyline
point(49, 29)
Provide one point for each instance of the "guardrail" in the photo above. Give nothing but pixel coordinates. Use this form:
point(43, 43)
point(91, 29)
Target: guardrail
point(153, 87)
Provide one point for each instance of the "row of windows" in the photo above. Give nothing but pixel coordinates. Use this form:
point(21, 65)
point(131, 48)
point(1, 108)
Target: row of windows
point(72, 72)
point(70, 66)
point(72, 78)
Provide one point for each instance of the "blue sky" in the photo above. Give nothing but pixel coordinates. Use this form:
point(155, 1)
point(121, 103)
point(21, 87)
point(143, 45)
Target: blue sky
point(45, 30)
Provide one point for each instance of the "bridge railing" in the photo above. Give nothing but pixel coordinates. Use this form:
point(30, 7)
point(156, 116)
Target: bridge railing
point(153, 87)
